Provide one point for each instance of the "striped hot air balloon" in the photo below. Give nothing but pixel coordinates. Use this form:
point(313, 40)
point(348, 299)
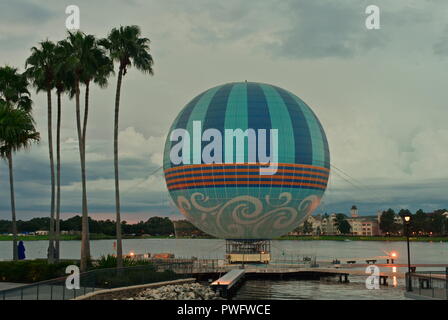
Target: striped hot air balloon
point(221, 187)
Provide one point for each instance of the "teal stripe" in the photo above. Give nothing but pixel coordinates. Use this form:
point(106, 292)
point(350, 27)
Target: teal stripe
point(199, 111)
point(236, 114)
point(317, 141)
point(278, 110)
point(179, 122)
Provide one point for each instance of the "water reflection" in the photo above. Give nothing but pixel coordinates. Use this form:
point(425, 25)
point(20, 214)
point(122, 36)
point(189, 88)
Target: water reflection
point(317, 290)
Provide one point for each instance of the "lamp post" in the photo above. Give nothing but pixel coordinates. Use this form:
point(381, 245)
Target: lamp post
point(407, 220)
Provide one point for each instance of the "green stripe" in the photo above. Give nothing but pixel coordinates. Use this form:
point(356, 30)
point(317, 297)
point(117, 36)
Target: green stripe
point(277, 111)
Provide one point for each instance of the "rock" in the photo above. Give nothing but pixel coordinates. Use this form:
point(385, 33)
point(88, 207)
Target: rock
point(188, 291)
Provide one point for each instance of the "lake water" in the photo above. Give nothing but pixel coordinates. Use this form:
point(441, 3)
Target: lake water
point(421, 252)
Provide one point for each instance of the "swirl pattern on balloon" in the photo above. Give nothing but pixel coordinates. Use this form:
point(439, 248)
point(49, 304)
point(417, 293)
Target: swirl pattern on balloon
point(246, 217)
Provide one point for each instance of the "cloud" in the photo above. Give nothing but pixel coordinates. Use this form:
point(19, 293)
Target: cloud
point(380, 94)
point(23, 12)
point(441, 46)
point(324, 28)
point(134, 145)
point(142, 185)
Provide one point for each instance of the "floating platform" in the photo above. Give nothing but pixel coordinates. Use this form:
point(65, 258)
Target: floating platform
point(228, 283)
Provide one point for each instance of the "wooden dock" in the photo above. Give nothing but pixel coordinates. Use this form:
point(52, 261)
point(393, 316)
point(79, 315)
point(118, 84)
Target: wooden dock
point(228, 283)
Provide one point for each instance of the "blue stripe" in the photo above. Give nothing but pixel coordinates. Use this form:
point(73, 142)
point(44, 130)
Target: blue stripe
point(254, 186)
point(302, 137)
point(216, 112)
point(243, 182)
point(182, 169)
point(258, 113)
point(245, 173)
point(326, 163)
point(181, 123)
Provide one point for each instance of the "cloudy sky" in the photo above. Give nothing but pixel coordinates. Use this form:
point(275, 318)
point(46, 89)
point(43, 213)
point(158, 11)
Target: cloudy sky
point(380, 94)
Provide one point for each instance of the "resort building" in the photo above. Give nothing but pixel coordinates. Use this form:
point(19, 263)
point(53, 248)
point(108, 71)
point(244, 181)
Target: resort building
point(364, 226)
point(324, 224)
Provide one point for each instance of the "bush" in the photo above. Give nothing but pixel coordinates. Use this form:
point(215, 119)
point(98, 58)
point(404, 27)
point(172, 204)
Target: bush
point(110, 261)
point(133, 276)
point(31, 270)
point(104, 274)
point(134, 272)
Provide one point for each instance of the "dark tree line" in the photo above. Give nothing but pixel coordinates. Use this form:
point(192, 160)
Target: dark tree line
point(153, 226)
point(421, 223)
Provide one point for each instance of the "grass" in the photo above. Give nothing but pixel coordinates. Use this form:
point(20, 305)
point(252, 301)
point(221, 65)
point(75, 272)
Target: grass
point(96, 236)
point(65, 237)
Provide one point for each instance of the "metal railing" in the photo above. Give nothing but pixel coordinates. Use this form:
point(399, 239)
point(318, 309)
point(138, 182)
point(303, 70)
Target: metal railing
point(430, 284)
point(100, 279)
point(109, 278)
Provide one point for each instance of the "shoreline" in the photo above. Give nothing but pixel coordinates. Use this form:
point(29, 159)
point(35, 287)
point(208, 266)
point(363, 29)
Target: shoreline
point(290, 238)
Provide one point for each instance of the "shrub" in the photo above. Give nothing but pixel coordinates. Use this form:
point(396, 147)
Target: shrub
point(31, 270)
point(113, 278)
point(110, 261)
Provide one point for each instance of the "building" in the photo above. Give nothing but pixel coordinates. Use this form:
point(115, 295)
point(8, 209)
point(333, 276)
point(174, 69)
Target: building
point(328, 225)
point(356, 225)
point(324, 224)
point(41, 233)
point(354, 212)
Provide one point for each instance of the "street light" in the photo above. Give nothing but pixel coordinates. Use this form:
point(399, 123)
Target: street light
point(407, 220)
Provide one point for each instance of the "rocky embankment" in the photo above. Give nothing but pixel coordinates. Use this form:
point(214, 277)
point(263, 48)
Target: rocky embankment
point(188, 291)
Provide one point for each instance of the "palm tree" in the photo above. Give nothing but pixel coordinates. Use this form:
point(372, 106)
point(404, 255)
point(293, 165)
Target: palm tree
point(64, 80)
point(88, 62)
point(125, 46)
point(16, 126)
point(16, 132)
point(14, 88)
point(40, 70)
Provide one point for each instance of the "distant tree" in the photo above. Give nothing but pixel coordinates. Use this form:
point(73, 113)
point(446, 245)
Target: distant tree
point(307, 227)
point(341, 223)
point(344, 227)
point(437, 223)
point(420, 222)
point(387, 221)
point(186, 228)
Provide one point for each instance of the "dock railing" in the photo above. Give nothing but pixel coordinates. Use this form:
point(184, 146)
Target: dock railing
point(109, 278)
point(428, 284)
point(99, 279)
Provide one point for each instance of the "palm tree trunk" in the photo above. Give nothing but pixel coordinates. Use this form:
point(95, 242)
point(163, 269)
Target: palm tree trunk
point(13, 209)
point(58, 178)
point(85, 250)
point(50, 145)
point(84, 132)
point(117, 181)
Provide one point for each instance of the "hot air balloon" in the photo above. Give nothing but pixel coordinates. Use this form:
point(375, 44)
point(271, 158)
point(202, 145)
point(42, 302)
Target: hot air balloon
point(246, 162)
